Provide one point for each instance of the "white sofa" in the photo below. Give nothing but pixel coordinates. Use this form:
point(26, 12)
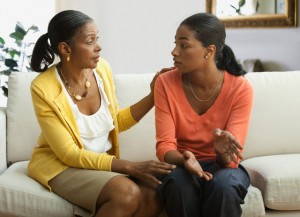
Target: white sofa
point(272, 152)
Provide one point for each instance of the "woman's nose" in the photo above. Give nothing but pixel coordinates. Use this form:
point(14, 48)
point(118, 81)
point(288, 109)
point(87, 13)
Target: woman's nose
point(174, 52)
point(98, 47)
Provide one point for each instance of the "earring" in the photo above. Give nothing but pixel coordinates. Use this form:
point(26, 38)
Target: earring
point(68, 59)
point(206, 57)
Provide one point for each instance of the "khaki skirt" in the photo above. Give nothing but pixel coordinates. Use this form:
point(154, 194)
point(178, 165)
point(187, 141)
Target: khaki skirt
point(81, 187)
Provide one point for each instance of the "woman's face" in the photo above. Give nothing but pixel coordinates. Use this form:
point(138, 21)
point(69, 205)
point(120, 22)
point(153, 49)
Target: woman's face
point(85, 49)
point(189, 53)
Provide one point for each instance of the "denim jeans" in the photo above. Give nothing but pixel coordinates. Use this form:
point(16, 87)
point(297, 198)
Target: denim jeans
point(186, 195)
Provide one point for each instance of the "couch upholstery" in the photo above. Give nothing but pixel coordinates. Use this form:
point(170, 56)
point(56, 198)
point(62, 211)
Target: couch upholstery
point(272, 149)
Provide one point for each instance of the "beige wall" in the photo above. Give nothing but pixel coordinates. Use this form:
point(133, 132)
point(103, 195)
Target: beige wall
point(137, 36)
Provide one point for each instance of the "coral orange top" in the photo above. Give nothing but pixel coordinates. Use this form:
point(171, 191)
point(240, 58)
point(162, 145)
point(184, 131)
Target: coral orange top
point(179, 127)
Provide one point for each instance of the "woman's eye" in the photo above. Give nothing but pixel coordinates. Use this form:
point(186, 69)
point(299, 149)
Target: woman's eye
point(93, 41)
point(184, 46)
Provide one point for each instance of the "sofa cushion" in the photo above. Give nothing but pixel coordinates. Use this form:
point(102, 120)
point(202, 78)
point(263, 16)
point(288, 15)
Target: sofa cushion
point(137, 143)
point(274, 124)
point(22, 127)
point(254, 204)
point(22, 196)
point(278, 178)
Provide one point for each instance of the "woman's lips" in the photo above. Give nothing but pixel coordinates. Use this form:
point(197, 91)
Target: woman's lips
point(176, 63)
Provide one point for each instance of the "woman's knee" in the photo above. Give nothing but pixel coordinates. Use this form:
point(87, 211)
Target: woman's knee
point(227, 182)
point(122, 192)
point(179, 182)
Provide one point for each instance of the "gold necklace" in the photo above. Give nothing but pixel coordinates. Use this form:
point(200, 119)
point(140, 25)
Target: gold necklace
point(70, 90)
point(209, 98)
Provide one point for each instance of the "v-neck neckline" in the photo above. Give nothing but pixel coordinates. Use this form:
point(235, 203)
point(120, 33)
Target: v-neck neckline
point(187, 106)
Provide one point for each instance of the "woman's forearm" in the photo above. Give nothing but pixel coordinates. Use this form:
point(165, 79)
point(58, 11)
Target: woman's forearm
point(174, 157)
point(142, 107)
point(120, 166)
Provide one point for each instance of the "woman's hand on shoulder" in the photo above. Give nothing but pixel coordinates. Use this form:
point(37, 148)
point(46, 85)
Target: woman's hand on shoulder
point(163, 70)
point(192, 165)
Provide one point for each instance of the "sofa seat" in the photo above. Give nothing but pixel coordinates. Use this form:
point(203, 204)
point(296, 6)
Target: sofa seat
point(278, 178)
point(22, 196)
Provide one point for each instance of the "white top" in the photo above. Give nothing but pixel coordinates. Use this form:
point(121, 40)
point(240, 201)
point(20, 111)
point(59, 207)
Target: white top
point(94, 129)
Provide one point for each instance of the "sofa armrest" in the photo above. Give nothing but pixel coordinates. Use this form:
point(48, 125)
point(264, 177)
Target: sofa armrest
point(3, 162)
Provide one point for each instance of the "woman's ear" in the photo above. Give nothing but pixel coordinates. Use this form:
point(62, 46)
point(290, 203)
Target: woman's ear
point(65, 50)
point(210, 51)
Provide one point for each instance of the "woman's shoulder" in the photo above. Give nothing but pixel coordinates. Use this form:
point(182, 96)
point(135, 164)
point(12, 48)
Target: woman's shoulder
point(170, 76)
point(239, 85)
point(238, 80)
point(46, 76)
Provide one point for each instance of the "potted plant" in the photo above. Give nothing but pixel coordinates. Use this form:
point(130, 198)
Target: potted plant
point(15, 56)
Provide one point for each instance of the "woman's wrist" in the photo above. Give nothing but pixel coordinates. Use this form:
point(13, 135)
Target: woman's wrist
point(221, 160)
point(121, 166)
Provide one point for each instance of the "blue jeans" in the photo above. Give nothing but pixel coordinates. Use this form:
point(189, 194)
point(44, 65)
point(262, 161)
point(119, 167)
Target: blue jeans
point(185, 195)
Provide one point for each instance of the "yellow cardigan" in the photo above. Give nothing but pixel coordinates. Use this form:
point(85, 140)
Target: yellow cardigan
point(60, 145)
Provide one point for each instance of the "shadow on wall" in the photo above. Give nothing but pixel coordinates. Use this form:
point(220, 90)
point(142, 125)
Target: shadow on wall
point(274, 66)
point(256, 65)
point(252, 65)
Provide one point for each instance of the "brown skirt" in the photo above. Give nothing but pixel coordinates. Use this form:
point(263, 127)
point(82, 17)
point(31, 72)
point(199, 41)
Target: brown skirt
point(81, 187)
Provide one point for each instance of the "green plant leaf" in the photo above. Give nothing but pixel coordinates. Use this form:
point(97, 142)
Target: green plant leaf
point(20, 28)
point(6, 72)
point(2, 42)
point(18, 36)
point(10, 63)
point(14, 52)
point(5, 50)
point(34, 28)
point(241, 3)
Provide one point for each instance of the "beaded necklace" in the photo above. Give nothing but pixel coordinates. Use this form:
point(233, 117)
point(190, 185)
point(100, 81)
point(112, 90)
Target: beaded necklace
point(71, 90)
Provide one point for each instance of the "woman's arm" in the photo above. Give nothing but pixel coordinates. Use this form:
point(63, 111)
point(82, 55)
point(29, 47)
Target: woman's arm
point(228, 143)
point(141, 108)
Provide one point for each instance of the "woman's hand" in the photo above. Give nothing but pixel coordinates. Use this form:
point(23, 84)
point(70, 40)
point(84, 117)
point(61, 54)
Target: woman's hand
point(155, 77)
point(227, 147)
point(146, 171)
point(142, 107)
point(193, 166)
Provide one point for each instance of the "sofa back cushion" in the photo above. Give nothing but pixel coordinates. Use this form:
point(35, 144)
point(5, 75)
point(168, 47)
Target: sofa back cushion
point(275, 121)
point(137, 143)
point(22, 127)
point(274, 125)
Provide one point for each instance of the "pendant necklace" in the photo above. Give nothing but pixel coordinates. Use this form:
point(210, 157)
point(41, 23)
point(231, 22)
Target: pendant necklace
point(70, 90)
point(209, 98)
